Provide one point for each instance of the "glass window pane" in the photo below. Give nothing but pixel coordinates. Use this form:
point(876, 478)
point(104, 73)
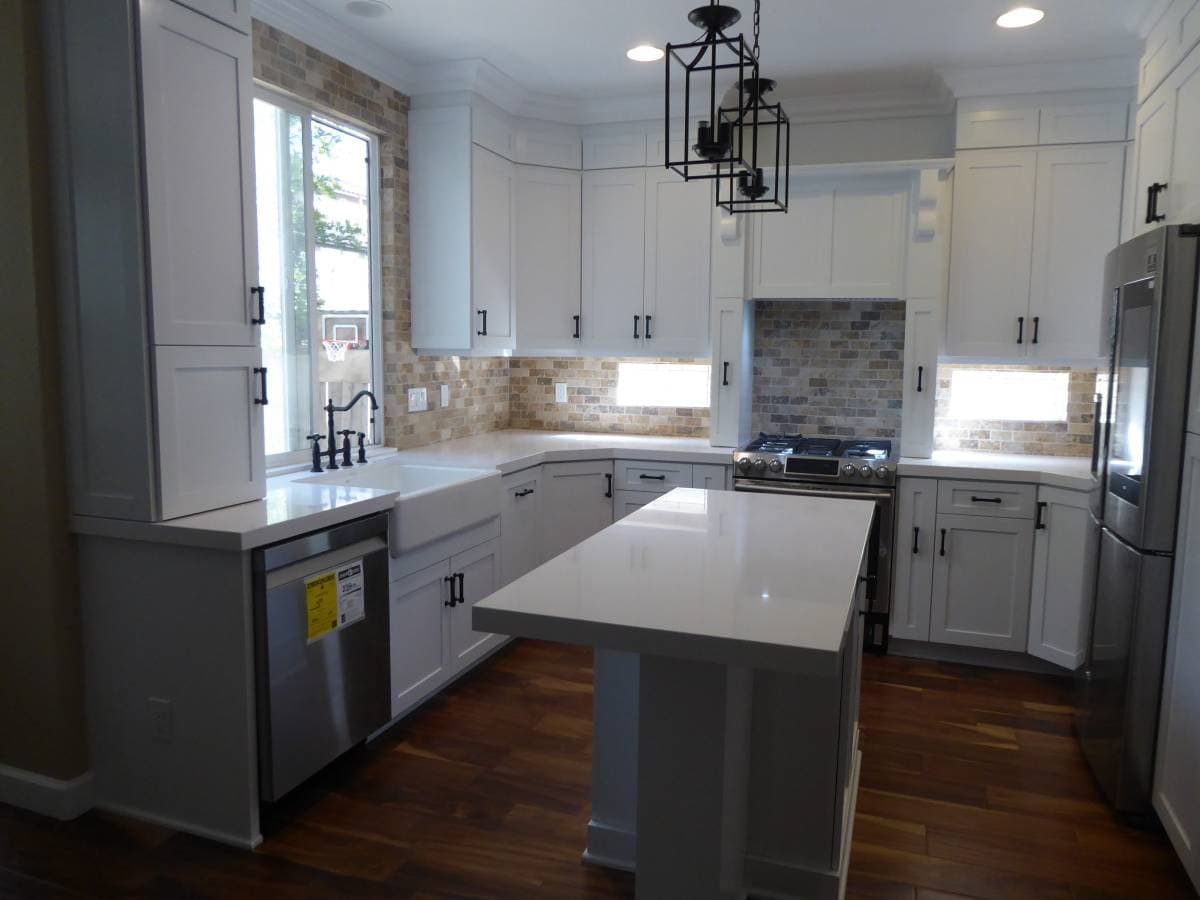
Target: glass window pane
point(1131, 386)
point(283, 270)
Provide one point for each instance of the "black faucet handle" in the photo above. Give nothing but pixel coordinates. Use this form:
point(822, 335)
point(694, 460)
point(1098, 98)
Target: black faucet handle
point(346, 432)
point(314, 437)
point(316, 450)
point(362, 447)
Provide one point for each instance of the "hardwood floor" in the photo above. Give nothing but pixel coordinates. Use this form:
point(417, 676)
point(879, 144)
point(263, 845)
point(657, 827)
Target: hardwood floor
point(972, 785)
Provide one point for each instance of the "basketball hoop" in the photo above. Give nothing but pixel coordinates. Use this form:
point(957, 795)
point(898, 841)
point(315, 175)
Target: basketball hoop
point(335, 351)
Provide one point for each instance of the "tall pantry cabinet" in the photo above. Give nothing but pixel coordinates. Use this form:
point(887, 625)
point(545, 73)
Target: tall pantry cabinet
point(151, 113)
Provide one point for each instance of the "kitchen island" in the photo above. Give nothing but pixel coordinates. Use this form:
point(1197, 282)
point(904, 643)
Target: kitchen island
point(726, 691)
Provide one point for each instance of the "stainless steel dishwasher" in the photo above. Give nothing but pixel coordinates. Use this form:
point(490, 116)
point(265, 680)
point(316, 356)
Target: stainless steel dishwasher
point(321, 648)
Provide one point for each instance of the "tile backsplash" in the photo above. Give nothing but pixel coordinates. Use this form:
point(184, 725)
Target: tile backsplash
point(592, 399)
point(1072, 437)
point(828, 367)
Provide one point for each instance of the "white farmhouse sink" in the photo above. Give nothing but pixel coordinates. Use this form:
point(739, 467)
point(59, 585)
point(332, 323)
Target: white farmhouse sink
point(433, 501)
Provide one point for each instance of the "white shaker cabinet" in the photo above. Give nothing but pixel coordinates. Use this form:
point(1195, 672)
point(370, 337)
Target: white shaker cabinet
point(520, 524)
point(197, 92)
point(710, 477)
point(1065, 548)
point(1181, 201)
point(1176, 793)
point(1154, 130)
point(916, 544)
point(626, 502)
point(577, 501)
point(493, 249)
point(991, 252)
point(923, 339)
point(981, 578)
point(548, 260)
point(234, 13)
point(613, 266)
point(676, 280)
point(419, 628)
point(732, 372)
point(210, 427)
point(476, 572)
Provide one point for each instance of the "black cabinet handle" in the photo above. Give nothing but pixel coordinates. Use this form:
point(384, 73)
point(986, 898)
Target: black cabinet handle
point(483, 313)
point(1036, 328)
point(261, 372)
point(524, 493)
point(1152, 213)
point(975, 499)
point(636, 319)
point(725, 375)
point(649, 336)
point(653, 477)
point(1020, 329)
point(449, 579)
point(262, 305)
point(608, 490)
point(1040, 523)
point(942, 551)
point(920, 379)
point(576, 335)
point(462, 587)
point(916, 540)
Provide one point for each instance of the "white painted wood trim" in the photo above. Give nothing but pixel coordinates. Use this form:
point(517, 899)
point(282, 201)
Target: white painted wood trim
point(54, 797)
point(221, 837)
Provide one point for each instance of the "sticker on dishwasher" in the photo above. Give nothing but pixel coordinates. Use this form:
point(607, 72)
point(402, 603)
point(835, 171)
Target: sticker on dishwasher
point(334, 599)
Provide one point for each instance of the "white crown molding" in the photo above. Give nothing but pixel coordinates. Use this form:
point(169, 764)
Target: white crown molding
point(327, 34)
point(1041, 77)
point(1144, 15)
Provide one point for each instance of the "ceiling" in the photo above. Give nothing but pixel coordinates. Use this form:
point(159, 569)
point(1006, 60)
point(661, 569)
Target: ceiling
point(576, 50)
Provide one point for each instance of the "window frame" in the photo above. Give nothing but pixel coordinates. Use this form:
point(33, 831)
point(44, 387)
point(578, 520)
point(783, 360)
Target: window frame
point(308, 111)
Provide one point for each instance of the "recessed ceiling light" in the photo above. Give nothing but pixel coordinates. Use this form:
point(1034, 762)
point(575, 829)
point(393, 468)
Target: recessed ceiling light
point(368, 9)
point(644, 53)
point(1021, 17)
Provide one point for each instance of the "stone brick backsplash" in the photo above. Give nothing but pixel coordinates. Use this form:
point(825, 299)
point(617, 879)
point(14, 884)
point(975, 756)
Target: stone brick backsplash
point(591, 400)
point(831, 367)
point(1070, 438)
point(478, 387)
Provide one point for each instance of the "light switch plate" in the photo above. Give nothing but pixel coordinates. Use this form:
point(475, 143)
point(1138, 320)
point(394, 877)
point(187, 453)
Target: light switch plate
point(445, 395)
point(417, 400)
point(560, 392)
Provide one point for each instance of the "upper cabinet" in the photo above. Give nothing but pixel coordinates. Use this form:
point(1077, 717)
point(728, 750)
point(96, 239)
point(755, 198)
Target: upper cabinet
point(1171, 37)
point(234, 13)
point(1167, 167)
point(991, 122)
point(548, 259)
point(842, 237)
point(493, 249)
point(614, 230)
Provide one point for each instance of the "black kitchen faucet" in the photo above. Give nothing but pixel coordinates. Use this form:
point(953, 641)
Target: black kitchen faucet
point(332, 447)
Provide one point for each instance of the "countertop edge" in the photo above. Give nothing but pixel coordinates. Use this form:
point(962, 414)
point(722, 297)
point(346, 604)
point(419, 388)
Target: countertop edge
point(910, 467)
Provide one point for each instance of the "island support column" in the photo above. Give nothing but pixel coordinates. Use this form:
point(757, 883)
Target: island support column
point(693, 766)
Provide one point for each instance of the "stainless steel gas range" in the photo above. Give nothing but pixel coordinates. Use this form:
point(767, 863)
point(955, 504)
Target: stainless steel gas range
point(862, 470)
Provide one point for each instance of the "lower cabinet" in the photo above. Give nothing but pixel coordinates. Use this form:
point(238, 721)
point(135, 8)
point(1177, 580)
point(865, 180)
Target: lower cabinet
point(710, 477)
point(577, 501)
point(916, 522)
point(520, 524)
point(476, 571)
point(626, 502)
point(1065, 547)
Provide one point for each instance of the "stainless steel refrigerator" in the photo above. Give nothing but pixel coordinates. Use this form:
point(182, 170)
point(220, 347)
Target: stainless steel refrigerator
point(1140, 430)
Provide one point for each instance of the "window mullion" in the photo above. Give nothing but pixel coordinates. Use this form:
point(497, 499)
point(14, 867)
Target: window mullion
point(310, 231)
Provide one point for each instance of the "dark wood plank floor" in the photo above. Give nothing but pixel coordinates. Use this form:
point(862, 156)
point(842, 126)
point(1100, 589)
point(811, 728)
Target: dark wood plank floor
point(972, 785)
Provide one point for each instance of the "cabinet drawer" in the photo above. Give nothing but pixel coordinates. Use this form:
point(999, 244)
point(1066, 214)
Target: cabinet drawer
point(987, 498)
point(657, 477)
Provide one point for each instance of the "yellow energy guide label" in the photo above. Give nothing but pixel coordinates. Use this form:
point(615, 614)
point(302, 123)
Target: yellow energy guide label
point(334, 599)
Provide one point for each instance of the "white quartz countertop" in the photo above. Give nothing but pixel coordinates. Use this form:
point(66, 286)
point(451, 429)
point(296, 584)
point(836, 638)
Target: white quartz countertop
point(761, 580)
point(1071, 473)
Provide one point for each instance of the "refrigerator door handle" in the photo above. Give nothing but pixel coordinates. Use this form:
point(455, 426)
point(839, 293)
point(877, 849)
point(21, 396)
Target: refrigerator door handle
point(1097, 415)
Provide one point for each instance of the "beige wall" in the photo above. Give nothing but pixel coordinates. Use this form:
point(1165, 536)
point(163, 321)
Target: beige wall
point(41, 706)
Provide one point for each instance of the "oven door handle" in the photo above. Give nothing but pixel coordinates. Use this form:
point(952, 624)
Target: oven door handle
point(813, 492)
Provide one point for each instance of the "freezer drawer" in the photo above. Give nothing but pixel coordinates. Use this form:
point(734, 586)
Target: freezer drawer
point(1117, 719)
point(322, 650)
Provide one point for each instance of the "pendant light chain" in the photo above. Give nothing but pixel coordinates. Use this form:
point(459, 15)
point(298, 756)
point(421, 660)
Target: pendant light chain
point(756, 29)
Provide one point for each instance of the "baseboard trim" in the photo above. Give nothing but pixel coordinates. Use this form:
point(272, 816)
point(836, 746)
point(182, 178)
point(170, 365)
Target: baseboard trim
point(221, 837)
point(975, 656)
point(48, 796)
point(613, 848)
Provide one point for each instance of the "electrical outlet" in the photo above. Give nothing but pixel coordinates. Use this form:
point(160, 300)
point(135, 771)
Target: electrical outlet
point(417, 400)
point(445, 395)
point(560, 392)
point(162, 719)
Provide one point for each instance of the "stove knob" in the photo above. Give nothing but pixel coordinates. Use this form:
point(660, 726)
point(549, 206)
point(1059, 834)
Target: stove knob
point(865, 471)
point(776, 466)
point(848, 469)
point(760, 465)
point(744, 464)
point(883, 471)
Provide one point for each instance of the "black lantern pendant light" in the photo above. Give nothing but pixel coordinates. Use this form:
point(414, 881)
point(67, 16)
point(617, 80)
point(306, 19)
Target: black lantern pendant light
point(716, 143)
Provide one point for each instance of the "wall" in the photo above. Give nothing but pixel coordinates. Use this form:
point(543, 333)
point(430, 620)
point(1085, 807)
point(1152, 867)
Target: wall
point(591, 400)
point(872, 140)
point(478, 387)
point(41, 682)
point(828, 367)
point(1070, 438)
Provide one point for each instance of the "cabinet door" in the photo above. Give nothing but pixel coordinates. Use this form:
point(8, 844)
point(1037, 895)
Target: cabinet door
point(1153, 132)
point(793, 252)
point(1176, 776)
point(869, 239)
point(1076, 222)
point(991, 253)
point(476, 570)
point(548, 213)
point(234, 13)
point(520, 524)
point(922, 339)
point(196, 95)
point(916, 544)
point(981, 578)
point(210, 428)
point(614, 226)
point(732, 372)
point(710, 477)
point(1181, 200)
point(678, 246)
point(1065, 549)
point(626, 502)
point(493, 256)
point(577, 502)
point(418, 626)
